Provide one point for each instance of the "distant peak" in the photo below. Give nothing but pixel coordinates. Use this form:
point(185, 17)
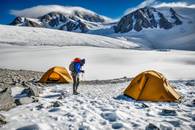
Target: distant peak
point(38, 11)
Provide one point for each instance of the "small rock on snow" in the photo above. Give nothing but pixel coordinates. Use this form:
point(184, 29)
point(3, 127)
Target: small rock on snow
point(32, 90)
point(54, 110)
point(168, 112)
point(57, 104)
point(151, 126)
point(117, 125)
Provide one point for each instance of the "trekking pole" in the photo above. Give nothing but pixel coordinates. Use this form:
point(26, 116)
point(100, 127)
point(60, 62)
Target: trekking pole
point(82, 76)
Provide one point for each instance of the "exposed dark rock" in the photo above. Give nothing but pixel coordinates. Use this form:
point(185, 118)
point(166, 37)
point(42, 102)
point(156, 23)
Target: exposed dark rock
point(146, 18)
point(40, 106)
point(151, 126)
point(163, 22)
point(175, 16)
point(30, 127)
point(125, 24)
point(193, 102)
point(167, 112)
point(57, 104)
point(24, 22)
point(117, 125)
point(54, 109)
point(193, 116)
point(88, 17)
point(17, 77)
point(190, 83)
point(17, 20)
point(57, 20)
point(31, 90)
point(31, 24)
point(74, 25)
point(25, 100)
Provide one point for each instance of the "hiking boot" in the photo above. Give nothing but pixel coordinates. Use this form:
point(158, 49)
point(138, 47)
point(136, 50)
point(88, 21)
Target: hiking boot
point(76, 93)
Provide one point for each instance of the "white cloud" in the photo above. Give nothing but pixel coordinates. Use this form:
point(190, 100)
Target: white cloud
point(41, 10)
point(158, 4)
point(175, 4)
point(143, 4)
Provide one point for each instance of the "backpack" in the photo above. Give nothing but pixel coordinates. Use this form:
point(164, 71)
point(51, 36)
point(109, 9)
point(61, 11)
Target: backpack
point(71, 67)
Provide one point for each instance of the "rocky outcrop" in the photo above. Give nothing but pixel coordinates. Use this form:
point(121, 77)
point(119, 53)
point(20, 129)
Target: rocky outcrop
point(73, 26)
point(17, 20)
point(63, 22)
point(163, 22)
point(18, 78)
point(175, 16)
point(20, 21)
point(30, 90)
point(6, 99)
point(147, 17)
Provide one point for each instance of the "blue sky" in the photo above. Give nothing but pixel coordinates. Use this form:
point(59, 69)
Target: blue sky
point(110, 8)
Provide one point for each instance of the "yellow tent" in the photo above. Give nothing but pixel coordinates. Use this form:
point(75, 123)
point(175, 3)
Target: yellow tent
point(151, 86)
point(56, 74)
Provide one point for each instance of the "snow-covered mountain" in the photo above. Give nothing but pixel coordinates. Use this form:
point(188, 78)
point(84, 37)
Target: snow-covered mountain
point(75, 19)
point(148, 17)
point(150, 27)
point(176, 32)
point(156, 28)
point(82, 20)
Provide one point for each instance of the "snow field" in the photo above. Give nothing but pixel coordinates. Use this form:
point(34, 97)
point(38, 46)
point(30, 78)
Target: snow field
point(102, 107)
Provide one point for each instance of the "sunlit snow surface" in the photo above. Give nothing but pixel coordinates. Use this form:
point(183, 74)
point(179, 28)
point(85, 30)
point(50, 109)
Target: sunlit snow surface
point(101, 63)
point(99, 106)
point(102, 107)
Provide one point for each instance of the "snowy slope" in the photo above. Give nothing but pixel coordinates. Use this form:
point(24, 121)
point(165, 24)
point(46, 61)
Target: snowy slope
point(178, 37)
point(39, 37)
point(101, 63)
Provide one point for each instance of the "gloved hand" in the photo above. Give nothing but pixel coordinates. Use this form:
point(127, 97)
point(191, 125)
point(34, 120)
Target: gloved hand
point(82, 71)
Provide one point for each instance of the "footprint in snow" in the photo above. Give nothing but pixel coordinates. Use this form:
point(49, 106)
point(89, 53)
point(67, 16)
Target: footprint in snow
point(54, 109)
point(110, 116)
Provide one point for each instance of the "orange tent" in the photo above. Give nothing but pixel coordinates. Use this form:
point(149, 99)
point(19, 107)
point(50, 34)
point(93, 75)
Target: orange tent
point(56, 74)
point(151, 86)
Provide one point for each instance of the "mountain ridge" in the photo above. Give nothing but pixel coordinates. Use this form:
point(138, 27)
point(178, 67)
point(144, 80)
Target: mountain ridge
point(147, 17)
